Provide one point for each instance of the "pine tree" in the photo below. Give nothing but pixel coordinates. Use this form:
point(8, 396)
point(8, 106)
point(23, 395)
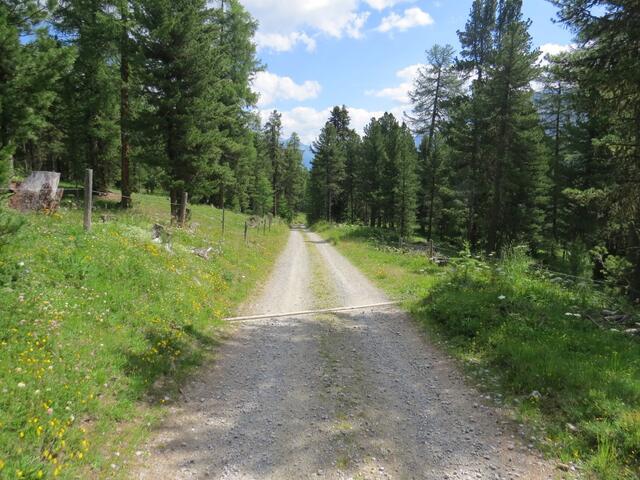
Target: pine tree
point(125, 108)
point(92, 89)
point(178, 40)
point(608, 67)
point(476, 54)
point(18, 116)
point(387, 166)
point(37, 95)
point(273, 144)
point(477, 38)
point(236, 66)
point(327, 173)
point(370, 172)
point(406, 182)
point(516, 166)
point(436, 86)
point(295, 177)
point(348, 144)
point(556, 108)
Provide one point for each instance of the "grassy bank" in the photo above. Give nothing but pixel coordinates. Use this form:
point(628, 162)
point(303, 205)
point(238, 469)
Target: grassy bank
point(529, 342)
point(98, 330)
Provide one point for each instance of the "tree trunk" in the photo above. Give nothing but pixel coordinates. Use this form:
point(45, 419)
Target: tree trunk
point(473, 234)
point(432, 133)
point(125, 201)
point(432, 196)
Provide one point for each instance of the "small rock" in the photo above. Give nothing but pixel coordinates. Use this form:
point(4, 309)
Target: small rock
point(535, 395)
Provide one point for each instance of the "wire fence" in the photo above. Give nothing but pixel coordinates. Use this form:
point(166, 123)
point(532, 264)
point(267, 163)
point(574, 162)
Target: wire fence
point(180, 215)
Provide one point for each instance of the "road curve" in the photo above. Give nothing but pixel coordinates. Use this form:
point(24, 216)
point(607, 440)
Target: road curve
point(356, 395)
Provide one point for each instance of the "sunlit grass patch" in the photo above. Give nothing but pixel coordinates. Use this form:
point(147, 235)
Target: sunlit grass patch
point(98, 330)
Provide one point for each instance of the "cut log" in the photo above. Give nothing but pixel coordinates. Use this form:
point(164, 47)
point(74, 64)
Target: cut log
point(38, 192)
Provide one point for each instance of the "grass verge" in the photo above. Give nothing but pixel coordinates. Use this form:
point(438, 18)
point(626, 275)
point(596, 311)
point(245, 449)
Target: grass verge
point(98, 330)
point(527, 338)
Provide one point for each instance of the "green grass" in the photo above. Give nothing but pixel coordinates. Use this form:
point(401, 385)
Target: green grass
point(98, 330)
point(518, 332)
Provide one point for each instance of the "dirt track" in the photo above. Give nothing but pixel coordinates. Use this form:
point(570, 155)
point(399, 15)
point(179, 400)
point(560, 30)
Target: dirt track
point(350, 395)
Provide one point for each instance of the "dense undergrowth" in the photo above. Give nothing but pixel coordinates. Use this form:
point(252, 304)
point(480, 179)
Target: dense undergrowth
point(527, 338)
point(98, 330)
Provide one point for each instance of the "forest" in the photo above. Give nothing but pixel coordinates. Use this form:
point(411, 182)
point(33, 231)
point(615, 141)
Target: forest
point(503, 149)
point(500, 147)
point(151, 95)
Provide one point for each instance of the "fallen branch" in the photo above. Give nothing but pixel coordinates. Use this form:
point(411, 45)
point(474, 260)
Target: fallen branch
point(310, 312)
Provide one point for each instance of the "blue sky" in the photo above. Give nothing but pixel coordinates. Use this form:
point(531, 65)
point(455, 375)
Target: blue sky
point(361, 53)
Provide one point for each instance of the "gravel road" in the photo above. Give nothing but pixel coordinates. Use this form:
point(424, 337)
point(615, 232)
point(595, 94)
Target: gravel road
point(358, 395)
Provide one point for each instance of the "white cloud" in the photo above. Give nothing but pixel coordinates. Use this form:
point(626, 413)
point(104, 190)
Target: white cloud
point(412, 17)
point(284, 43)
point(400, 93)
point(307, 122)
point(383, 4)
point(283, 25)
point(272, 87)
point(553, 49)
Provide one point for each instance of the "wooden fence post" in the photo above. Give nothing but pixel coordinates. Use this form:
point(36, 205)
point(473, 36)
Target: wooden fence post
point(183, 209)
point(264, 226)
point(246, 228)
point(88, 199)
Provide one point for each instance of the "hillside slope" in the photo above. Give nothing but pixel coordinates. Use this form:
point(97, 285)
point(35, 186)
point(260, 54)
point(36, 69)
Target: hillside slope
point(98, 330)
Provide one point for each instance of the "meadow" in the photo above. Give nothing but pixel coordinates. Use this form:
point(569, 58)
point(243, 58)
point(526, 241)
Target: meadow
point(98, 330)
